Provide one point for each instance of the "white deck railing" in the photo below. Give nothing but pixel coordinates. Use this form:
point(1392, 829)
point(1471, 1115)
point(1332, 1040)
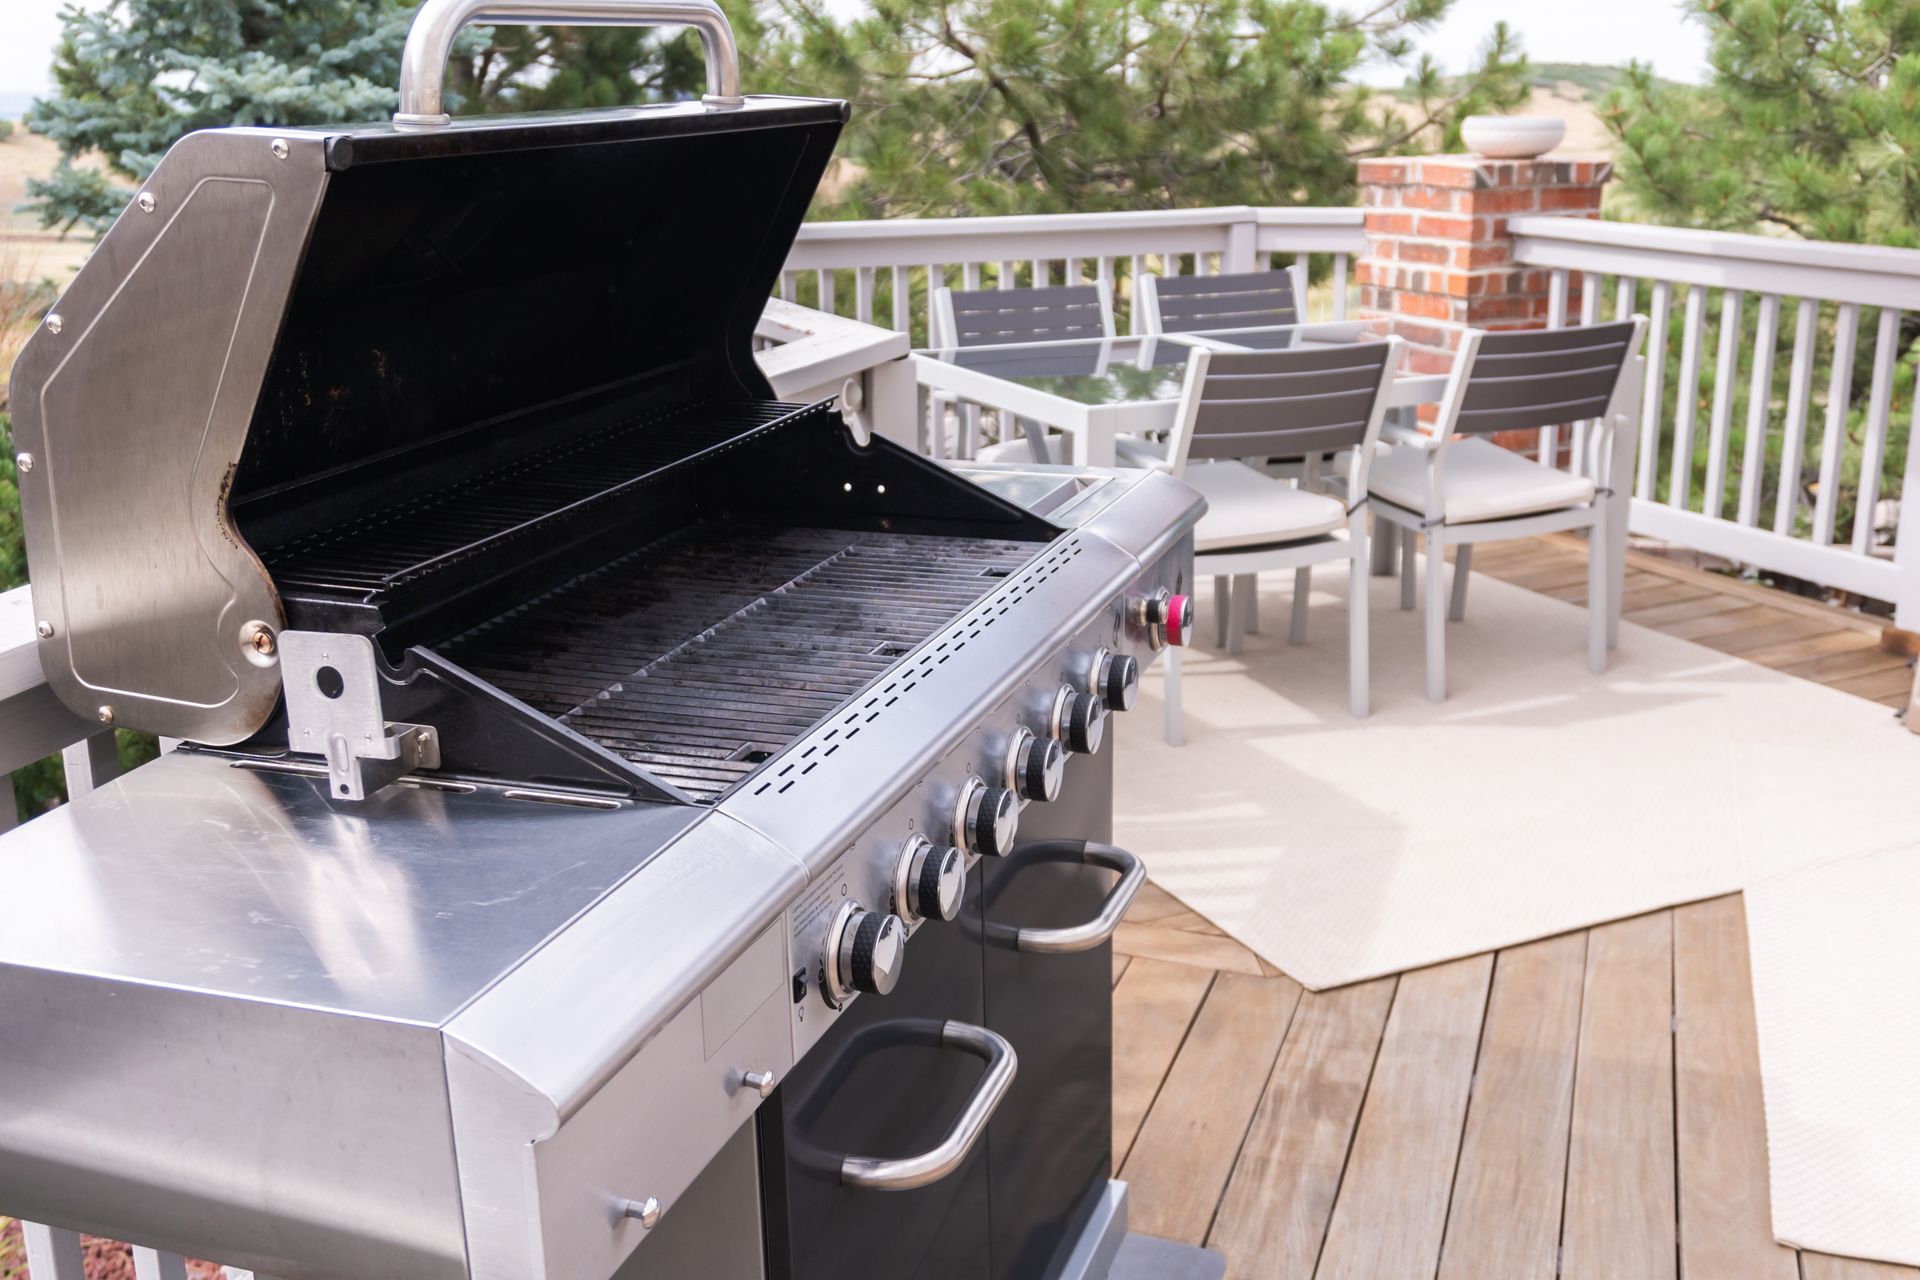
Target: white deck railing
point(1752, 446)
point(869, 269)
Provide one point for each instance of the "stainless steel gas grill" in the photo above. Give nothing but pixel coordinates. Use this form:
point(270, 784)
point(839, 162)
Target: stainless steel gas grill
point(596, 842)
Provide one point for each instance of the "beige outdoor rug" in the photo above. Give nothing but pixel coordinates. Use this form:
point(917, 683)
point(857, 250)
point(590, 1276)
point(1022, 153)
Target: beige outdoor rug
point(1539, 798)
point(1834, 931)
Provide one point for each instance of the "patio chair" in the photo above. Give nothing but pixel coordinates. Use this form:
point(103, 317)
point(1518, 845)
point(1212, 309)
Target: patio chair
point(998, 317)
point(1195, 304)
point(1236, 405)
point(1459, 489)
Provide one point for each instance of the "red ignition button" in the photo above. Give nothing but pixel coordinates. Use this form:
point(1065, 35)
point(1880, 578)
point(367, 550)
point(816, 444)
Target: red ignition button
point(1179, 619)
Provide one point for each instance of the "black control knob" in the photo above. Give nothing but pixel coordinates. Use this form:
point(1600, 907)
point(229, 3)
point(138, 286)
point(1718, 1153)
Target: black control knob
point(1116, 678)
point(986, 819)
point(1035, 766)
point(865, 950)
point(930, 881)
point(1079, 720)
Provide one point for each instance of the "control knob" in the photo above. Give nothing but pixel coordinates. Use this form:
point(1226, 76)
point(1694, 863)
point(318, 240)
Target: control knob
point(986, 819)
point(1168, 618)
point(1035, 766)
point(1116, 678)
point(864, 952)
point(929, 881)
point(1079, 720)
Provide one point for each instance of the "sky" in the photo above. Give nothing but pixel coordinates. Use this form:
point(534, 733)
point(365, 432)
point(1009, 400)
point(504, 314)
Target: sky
point(1551, 31)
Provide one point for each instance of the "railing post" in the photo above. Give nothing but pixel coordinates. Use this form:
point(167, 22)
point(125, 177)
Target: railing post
point(1242, 234)
point(1906, 538)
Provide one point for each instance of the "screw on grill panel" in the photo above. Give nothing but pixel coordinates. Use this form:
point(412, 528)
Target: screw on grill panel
point(145, 201)
point(23, 462)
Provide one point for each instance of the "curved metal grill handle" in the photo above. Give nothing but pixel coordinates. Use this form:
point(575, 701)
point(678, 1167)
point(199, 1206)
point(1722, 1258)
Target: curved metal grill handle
point(1085, 937)
point(909, 1172)
point(423, 64)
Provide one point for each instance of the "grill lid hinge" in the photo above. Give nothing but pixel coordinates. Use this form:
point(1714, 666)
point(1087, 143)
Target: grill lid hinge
point(332, 682)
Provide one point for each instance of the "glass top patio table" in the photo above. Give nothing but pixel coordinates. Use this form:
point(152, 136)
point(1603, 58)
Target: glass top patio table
point(1096, 389)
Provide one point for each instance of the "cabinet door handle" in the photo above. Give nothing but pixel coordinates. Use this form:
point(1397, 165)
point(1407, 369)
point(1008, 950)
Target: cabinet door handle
point(950, 1152)
point(1085, 937)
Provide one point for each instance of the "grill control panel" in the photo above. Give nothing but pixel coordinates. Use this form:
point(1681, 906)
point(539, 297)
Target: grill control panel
point(852, 931)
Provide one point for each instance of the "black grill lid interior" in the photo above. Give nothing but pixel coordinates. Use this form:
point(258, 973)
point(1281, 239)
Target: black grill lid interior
point(460, 286)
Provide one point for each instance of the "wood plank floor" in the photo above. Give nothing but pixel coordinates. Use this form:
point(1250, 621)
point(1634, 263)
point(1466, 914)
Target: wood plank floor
point(1586, 1106)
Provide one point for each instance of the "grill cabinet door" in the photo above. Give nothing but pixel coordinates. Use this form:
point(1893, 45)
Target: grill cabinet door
point(864, 1090)
point(1051, 1141)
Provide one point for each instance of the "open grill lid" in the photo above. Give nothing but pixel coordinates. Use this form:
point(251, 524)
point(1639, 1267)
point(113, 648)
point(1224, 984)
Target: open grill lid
point(283, 318)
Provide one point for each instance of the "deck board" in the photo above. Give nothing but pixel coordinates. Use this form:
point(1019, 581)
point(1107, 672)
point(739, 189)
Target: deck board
point(1392, 1211)
point(1180, 1163)
point(1366, 1147)
point(1619, 1216)
point(1274, 1216)
point(1721, 1138)
point(1505, 1217)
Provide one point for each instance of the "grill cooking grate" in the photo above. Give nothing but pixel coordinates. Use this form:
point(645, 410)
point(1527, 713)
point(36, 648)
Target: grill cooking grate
point(398, 544)
point(706, 653)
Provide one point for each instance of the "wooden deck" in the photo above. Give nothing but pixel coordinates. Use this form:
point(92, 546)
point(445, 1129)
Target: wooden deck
point(1587, 1106)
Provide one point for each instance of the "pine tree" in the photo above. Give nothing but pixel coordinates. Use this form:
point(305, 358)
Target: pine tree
point(1811, 124)
point(1026, 106)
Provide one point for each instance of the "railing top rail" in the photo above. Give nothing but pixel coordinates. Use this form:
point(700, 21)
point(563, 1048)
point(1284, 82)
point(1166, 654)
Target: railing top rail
point(19, 646)
point(1056, 223)
point(1873, 274)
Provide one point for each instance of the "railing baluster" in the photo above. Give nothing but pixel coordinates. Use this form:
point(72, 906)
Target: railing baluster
point(823, 284)
point(91, 762)
point(1886, 356)
point(1339, 286)
point(1590, 290)
point(1133, 278)
point(1007, 270)
point(936, 279)
point(1725, 370)
point(1654, 405)
point(1625, 290)
point(53, 1253)
point(1687, 399)
point(1556, 319)
point(863, 294)
point(1793, 436)
point(1076, 271)
point(150, 1264)
point(903, 299)
point(1042, 274)
point(1826, 502)
point(1753, 462)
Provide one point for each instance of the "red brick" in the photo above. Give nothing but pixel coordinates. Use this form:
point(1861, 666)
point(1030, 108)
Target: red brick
point(1434, 254)
point(1570, 198)
point(1441, 198)
point(1451, 171)
point(1427, 305)
point(1431, 224)
point(1383, 171)
point(1476, 256)
point(1389, 223)
point(1504, 200)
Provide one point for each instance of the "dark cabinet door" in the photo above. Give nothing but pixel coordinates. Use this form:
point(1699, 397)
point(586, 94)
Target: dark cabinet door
point(880, 1085)
point(1051, 1141)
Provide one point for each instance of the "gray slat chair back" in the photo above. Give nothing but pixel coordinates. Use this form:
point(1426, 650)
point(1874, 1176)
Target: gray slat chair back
point(986, 317)
point(1259, 404)
point(1543, 377)
point(1196, 304)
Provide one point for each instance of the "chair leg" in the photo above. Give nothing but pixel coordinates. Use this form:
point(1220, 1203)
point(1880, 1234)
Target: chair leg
point(1462, 566)
point(1436, 620)
point(1381, 550)
point(1599, 592)
point(1175, 729)
point(1359, 698)
point(1222, 607)
point(1618, 509)
point(1302, 589)
point(1407, 568)
point(1251, 583)
point(1242, 596)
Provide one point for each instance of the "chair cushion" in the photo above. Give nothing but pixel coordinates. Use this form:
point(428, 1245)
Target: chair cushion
point(1247, 508)
point(1479, 481)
